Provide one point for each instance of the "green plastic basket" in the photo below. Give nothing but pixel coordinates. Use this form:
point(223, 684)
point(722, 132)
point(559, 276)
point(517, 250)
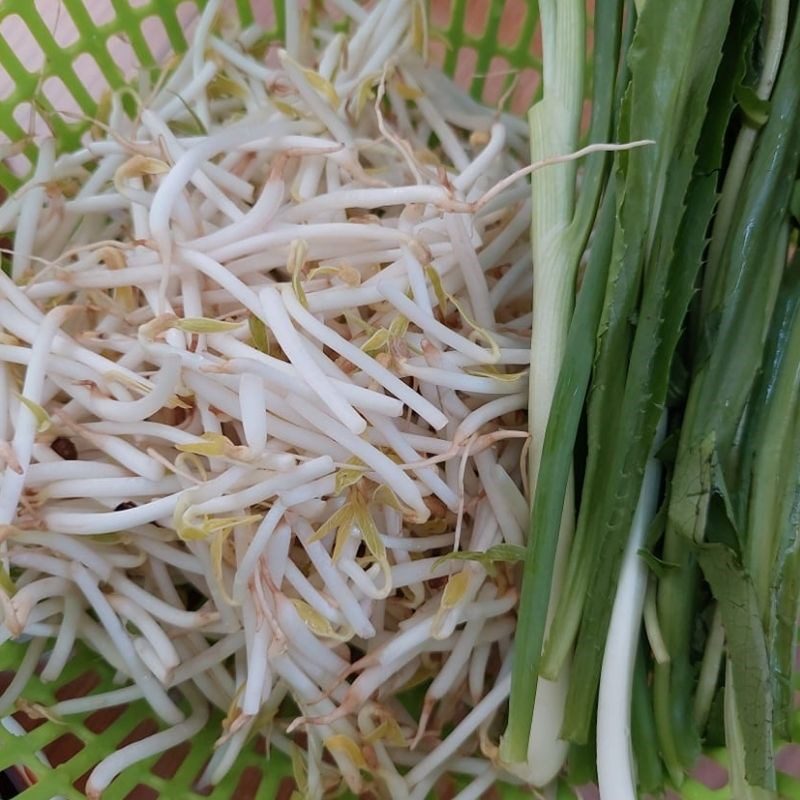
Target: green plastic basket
point(490, 46)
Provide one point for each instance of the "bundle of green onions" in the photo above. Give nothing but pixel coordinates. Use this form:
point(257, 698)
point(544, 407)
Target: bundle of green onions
point(671, 605)
point(286, 372)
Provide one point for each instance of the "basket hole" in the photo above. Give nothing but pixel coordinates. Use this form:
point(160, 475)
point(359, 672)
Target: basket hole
point(497, 79)
point(788, 759)
point(586, 116)
point(122, 54)
point(7, 84)
point(90, 75)
point(476, 17)
point(9, 780)
point(188, 15)
point(63, 749)
point(440, 13)
point(101, 11)
point(101, 720)
point(58, 21)
point(249, 781)
point(512, 22)
point(27, 722)
point(465, 67)
point(155, 35)
point(19, 165)
point(264, 14)
point(445, 788)
point(31, 121)
point(285, 789)
point(142, 792)
point(147, 727)
point(19, 38)
point(711, 774)
point(525, 91)
point(60, 97)
point(170, 762)
point(204, 789)
point(437, 51)
point(78, 687)
point(536, 43)
point(80, 783)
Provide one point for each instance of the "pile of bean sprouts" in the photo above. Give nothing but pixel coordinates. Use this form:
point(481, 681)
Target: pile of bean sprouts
point(263, 369)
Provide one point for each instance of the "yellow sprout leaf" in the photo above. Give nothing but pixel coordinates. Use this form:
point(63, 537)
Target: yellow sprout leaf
point(323, 272)
point(259, 334)
point(125, 296)
point(137, 166)
point(345, 746)
point(482, 332)
point(433, 526)
point(209, 444)
point(226, 524)
point(342, 522)
point(315, 622)
point(340, 517)
point(374, 541)
point(398, 327)
point(384, 496)
point(234, 710)
point(323, 86)
point(223, 86)
point(112, 257)
point(299, 771)
point(295, 262)
point(163, 322)
point(377, 342)
point(191, 463)
point(318, 624)
point(140, 386)
point(343, 534)
point(286, 109)
point(204, 325)
point(408, 92)
point(419, 28)
point(350, 475)
point(355, 322)
point(258, 50)
point(495, 374)
point(217, 557)
point(455, 590)
point(365, 93)
point(436, 281)
point(101, 115)
point(189, 533)
point(6, 583)
point(369, 530)
point(39, 414)
point(388, 731)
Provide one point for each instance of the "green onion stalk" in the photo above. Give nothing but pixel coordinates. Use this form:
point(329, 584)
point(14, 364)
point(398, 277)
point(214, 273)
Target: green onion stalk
point(555, 130)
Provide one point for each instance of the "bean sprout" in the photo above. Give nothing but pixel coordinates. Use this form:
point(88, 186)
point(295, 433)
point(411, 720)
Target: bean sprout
point(290, 382)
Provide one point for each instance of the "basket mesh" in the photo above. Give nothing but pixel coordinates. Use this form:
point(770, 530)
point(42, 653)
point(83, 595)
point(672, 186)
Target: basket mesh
point(56, 61)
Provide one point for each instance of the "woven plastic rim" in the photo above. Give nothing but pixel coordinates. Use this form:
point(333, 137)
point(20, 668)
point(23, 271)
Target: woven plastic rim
point(490, 46)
